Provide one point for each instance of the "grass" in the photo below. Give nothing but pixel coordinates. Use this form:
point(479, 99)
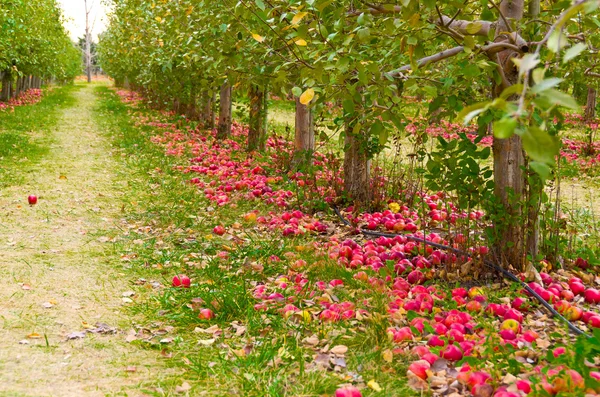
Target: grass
point(25, 133)
point(169, 232)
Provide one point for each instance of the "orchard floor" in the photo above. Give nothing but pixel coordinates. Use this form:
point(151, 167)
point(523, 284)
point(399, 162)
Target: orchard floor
point(58, 275)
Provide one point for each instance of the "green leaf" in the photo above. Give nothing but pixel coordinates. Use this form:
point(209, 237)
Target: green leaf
point(348, 105)
point(297, 91)
point(540, 145)
point(470, 112)
point(505, 127)
point(574, 52)
point(557, 41)
point(473, 27)
point(545, 85)
point(560, 98)
point(542, 169)
point(260, 4)
point(527, 63)
point(513, 89)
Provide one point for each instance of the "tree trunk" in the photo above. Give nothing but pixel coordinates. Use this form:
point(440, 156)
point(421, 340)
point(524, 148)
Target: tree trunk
point(590, 105)
point(534, 8)
point(510, 241)
point(206, 110)
point(256, 133)
point(356, 167)
point(5, 94)
point(224, 127)
point(304, 142)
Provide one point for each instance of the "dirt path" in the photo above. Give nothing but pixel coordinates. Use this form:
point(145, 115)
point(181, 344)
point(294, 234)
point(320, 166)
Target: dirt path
point(57, 276)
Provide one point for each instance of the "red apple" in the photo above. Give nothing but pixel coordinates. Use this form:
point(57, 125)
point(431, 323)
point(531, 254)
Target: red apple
point(513, 314)
point(451, 353)
point(524, 386)
point(32, 200)
point(594, 321)
point(219, 230)
point(592, 295)
point(206, 314)
point(577, 288)
point(420, 368)
point(473, 306)
point(181, 280)
point(348, 391)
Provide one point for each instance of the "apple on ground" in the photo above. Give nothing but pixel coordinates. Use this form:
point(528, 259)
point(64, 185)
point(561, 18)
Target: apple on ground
point(32, 200)
point(348, 391)
point(181, 280)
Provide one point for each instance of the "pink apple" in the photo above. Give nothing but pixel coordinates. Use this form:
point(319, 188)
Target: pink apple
point(32, 200)
point(348, 391)
point(206, 314)
point(219, 230)
point(181, 280)
point(592, 295)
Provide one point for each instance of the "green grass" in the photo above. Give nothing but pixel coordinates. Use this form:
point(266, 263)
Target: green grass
point(26, 133)
point(170, 233)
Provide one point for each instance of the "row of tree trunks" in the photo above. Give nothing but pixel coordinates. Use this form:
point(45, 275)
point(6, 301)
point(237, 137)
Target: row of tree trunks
point(12, 88)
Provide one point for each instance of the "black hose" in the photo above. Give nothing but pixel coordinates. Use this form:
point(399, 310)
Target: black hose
point(489, 264)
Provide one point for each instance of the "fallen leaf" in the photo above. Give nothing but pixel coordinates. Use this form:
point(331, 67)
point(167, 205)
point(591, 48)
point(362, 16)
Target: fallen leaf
point(76, 335)
point(340, 350)
point(131, 368)
point(34, 335)
point(374, 385)
point(183, 388)
point(47, 305)
point(387, 355)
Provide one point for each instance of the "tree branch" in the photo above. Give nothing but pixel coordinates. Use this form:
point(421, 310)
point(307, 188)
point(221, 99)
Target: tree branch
point(491, 48)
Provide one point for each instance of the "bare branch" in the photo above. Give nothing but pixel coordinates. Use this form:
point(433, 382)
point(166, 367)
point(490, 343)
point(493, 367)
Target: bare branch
point(492, 48)
point(460, 26)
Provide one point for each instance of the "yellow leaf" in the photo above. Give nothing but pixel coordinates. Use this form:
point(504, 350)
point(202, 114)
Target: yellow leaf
point(300, 42)
point(307, 96)
point(374, 385)
point(298, 17)
point(387, 355)
point(189, 10)
point(258, 37)
point(158, 19)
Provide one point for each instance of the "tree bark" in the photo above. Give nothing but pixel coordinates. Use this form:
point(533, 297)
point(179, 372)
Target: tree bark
point(224, 127)
point(5, 94)
point(590, 104)
point(534, 8)
point(356, 168)
point(256, 133)
point(304, 142)
point(206, 110)
point(510, 242)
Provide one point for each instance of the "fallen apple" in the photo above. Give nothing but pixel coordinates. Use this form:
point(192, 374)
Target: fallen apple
point(32, 200)
point(348, 391)
point(181, 280)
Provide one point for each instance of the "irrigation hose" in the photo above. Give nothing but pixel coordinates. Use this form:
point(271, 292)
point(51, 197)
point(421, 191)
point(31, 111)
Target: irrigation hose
point(489, 264)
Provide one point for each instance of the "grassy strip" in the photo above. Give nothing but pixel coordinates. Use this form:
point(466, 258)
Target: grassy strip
point(25, 133)
point(254, 353)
